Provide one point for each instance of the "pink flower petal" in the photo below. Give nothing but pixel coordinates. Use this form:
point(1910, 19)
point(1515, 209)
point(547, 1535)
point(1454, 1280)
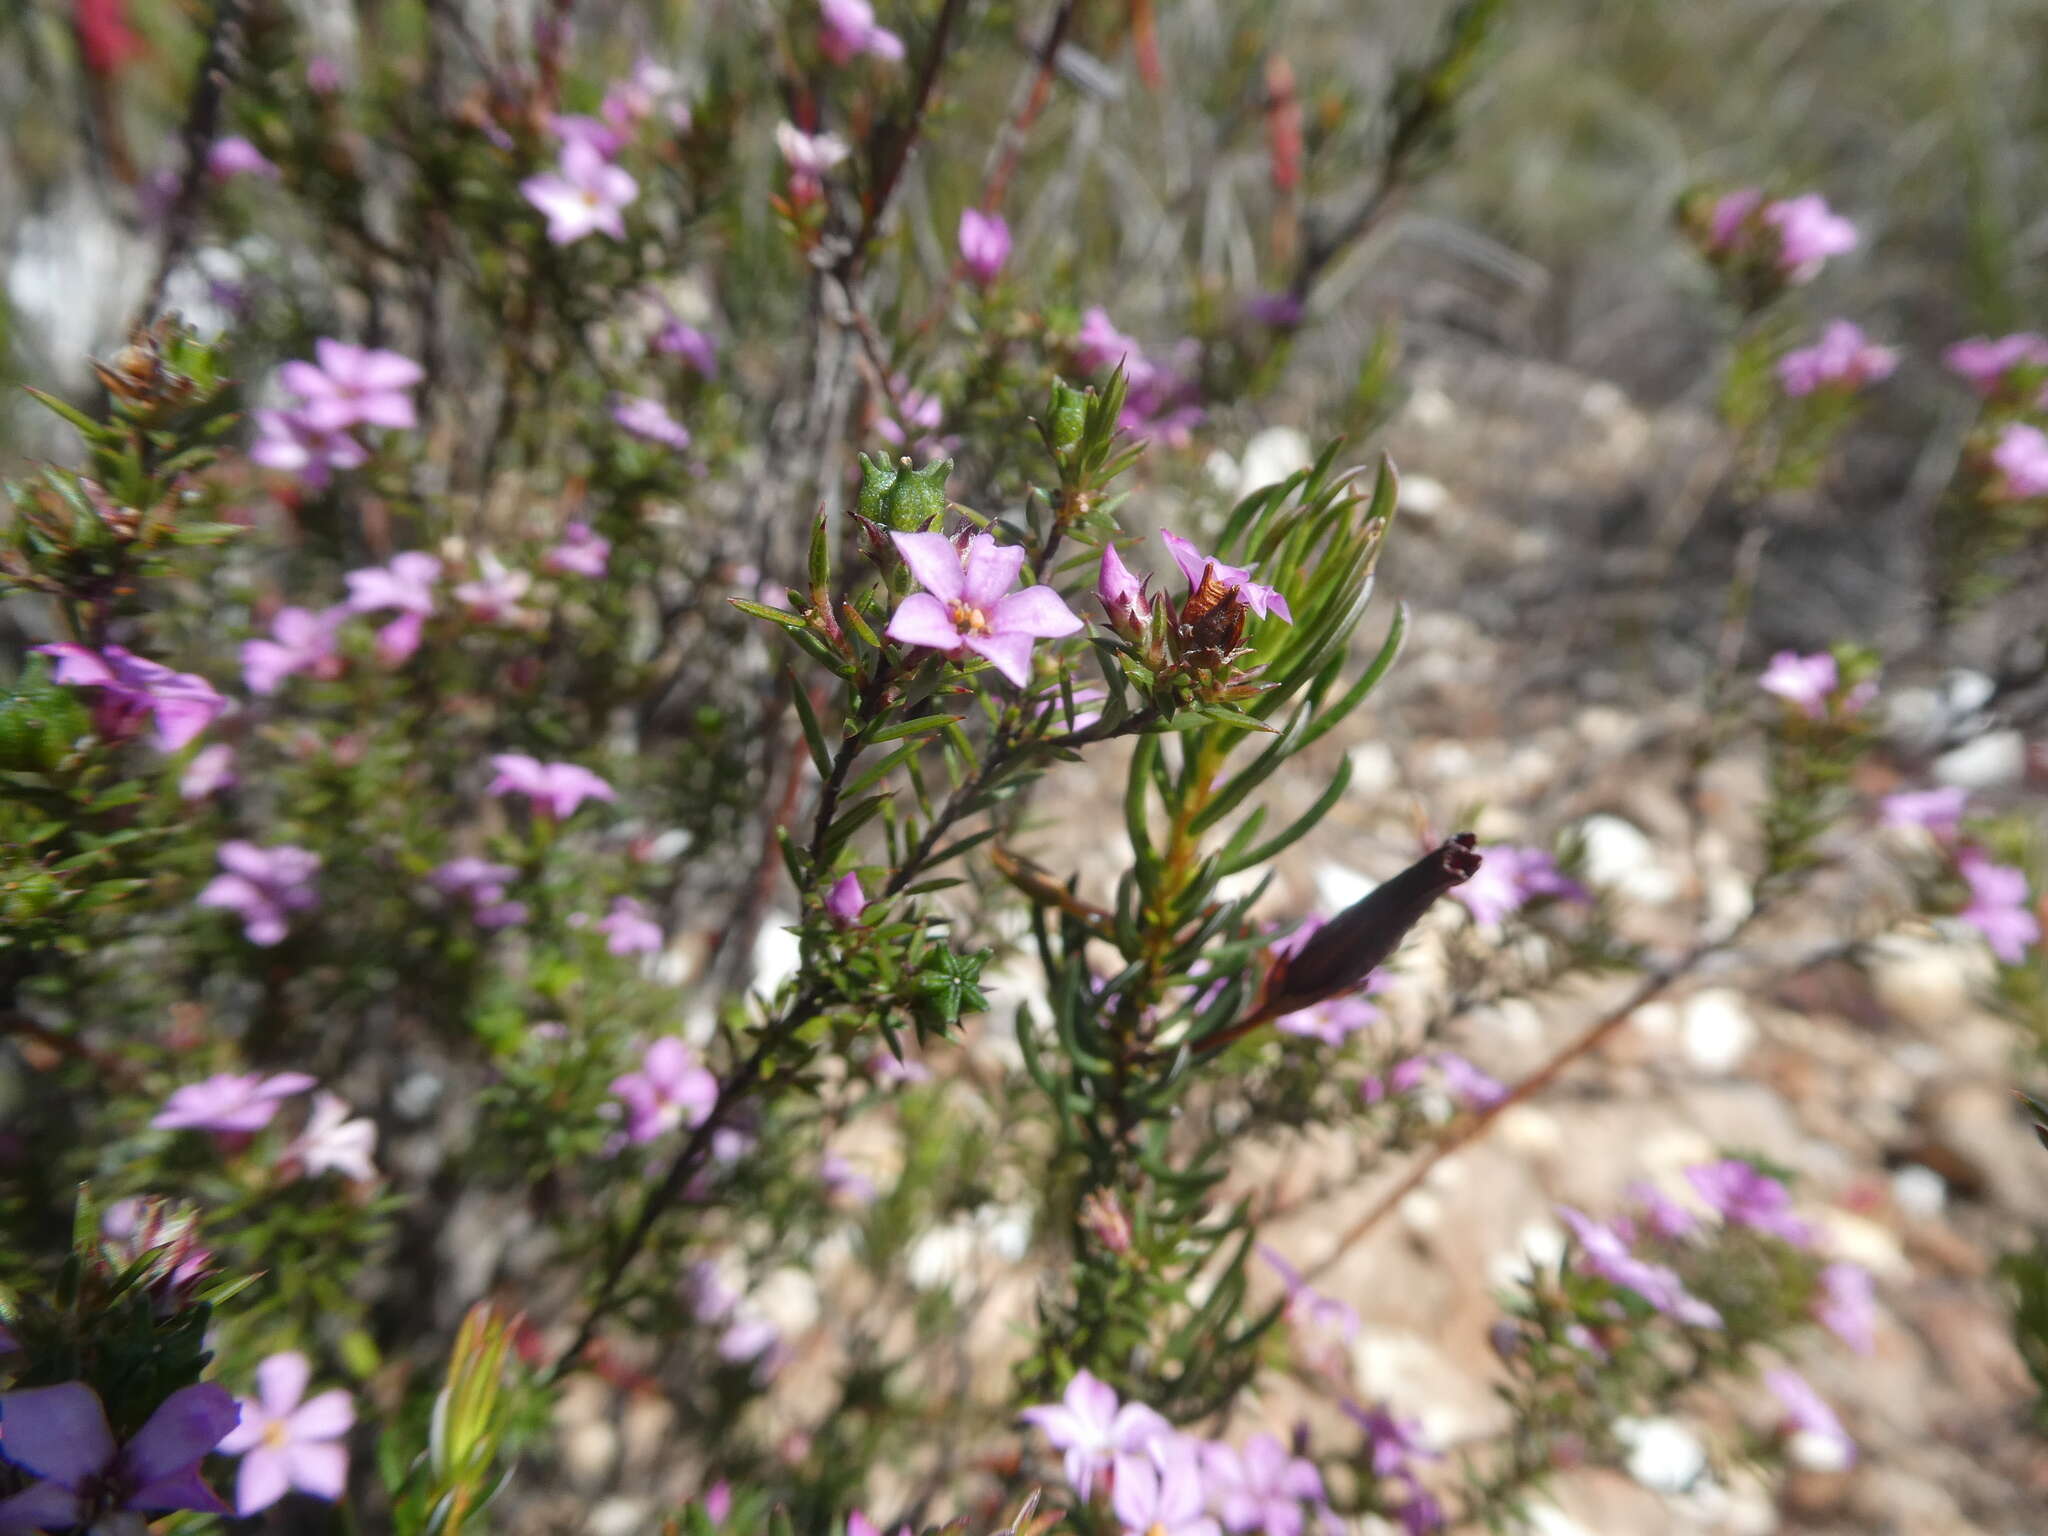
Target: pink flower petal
point(934, 562)
point(1010, 654)
point(263, 1480)
point(990, 570)
point(321, 1470)
point(1036, 611)
point(921, 619)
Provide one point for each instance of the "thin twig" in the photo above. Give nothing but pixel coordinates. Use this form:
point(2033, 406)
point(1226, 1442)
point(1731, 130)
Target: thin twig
point(202, 118)
point(894, 154)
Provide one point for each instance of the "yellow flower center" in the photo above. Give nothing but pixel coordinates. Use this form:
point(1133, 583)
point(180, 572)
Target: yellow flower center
point(969, 618)
point(274, 1435)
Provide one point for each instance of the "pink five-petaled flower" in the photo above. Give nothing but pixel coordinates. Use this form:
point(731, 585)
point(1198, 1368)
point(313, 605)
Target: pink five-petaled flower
point(1745, 1196)
point(287, 1440)
point(966, 604)
point(60, 1436)
point(1812, 1424)
point(580, 553)
point(1731, 211)
point(182, 704)
point(650, 421)
point(1512, 876)
point(1092, 1429)
point(984, 244)
point(555, 789)
point(263, 885)
point(300, 641)
point(671, 1089)
point(1805, 682)
point(483, 884)
point(1099, 344)
point(1843, 358)
point(1984, 361)
point(1809, 232)
point(1847, 1305)
point(229, 1103)
point(1262, 1487)
point(2021, 458)
point(1940, 811)
point(1197, 566)
point(1159, 1492)
point(847, 29)
point(351, 386)
point(808, 155)
point(1998, 906)
point(845, 902)
point(1604, 1252)
point(333, 1142)
point(628, 930)
point(585, 194)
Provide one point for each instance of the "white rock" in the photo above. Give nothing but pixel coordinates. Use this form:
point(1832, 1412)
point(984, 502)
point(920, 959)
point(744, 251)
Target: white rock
point(1549, 1520)
point(619, 1516)
point(1919, 1191)
point(788, 1298)
point(1373, 769)
point(777, 953)
point(1819, 1453)
point(1538, 1248)
point(1429, 407)
point(1222, 470)
point(1718, 1030)
point(1862, 1241)
point(1422, 495)
point(1338, 886)
point(1993, 760)
point(1663, 1454)
point(1620, 856)
point(1271, 456)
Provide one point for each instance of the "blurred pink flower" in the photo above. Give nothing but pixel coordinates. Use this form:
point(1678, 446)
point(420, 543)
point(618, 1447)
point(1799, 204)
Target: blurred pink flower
point(1159, 1491)
point(1940, 810)
point(1847, 1305)
point(1306, 1306)
point(351, 386)
point(1984, 361)
point(1806, 1414)
point(1394, 1442)
point(649, 420)
point(1664, 1216)
point(580, 552)
point(628, 930)
point(284, 442)
point(671, 1089)
point(59, 1435)
point(984, 244)
point(1468, 1085)
point(966, 604)
point(236, 156)
point(1843, 357)
point(1281, 311)
point(406, 584)
point(1099, 344)
point(577, 128)
point(263, 886)
point(1998, 906)
point(332, 1142)
point(1092, 1428)
point(1511, 877)
point(1604, 1252)
point(1731, 212)
point(288, 1441)
point(1261, 1488)
point(492, 597)
point(555, 789)
point(1121, 594)
point(1809, 232)
point(300, 641)
point(132, 687)
point(1745, 1196)
point(1805, 682)
point(809, 156)
point(843, 1181)
point(211, 770)
point(693, 346)
point(230, 1103)
point(2021, 458)
point(483, 884)
point(585, 194)
point(848, 29)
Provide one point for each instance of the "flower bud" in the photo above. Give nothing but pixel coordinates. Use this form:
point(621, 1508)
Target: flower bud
point(1122, 596)
point(902, 498)
point(1066, 418)
point(1103, 1219)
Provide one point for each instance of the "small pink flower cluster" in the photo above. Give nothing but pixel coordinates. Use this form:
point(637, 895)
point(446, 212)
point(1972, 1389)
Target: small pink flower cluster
point(1512, 876)
point(1999, 906)
point(586, 193)
point(1464, 1084)
point(1803, 231)
point(1812, 685)
point(133, 689)
point(1165, 1483)
point(847, 29)
point(1842, 361)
